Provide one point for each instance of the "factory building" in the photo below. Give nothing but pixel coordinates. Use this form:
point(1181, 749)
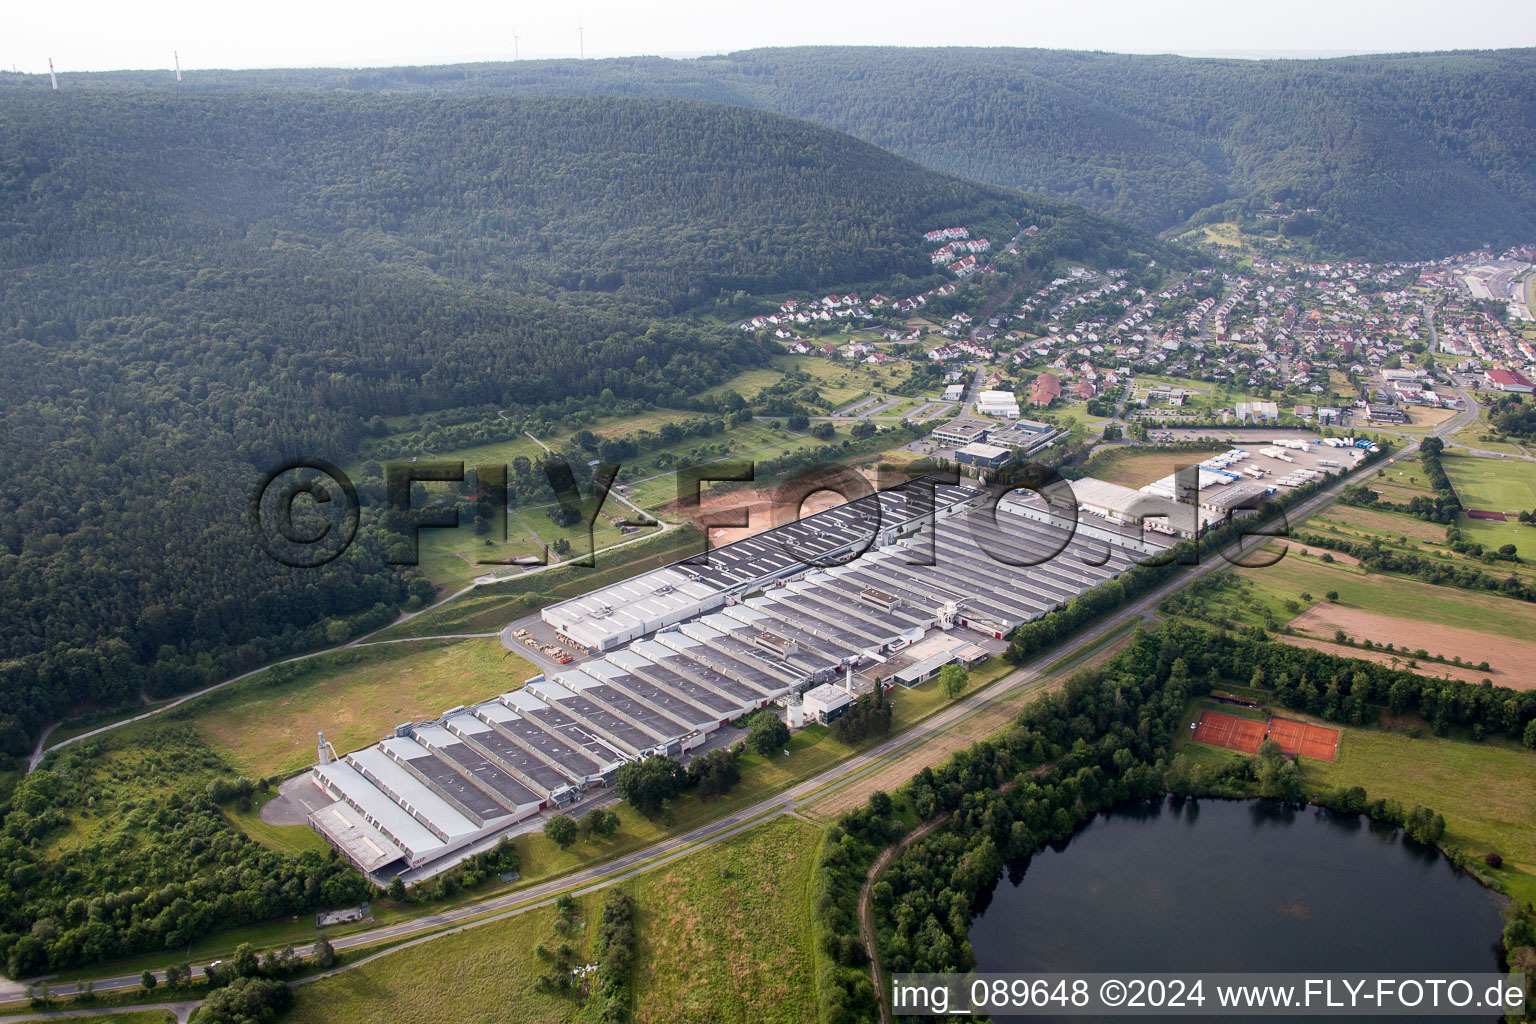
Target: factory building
point(984, 456)
point(961, 430)
point(787, 616)
point(615, 615)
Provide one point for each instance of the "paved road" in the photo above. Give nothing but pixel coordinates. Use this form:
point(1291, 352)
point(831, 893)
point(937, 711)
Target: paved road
point(600, 875)
point(362, 641)
point(597, 876)
point(38, 751)
point(180, 1010)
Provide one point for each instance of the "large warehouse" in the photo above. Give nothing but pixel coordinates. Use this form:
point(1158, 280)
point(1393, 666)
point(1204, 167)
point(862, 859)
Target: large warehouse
point(615, 615)
point(687, 649)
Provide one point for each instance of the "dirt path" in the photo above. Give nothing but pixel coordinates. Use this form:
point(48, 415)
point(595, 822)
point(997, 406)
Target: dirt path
point(866, 910)
point(867, 914)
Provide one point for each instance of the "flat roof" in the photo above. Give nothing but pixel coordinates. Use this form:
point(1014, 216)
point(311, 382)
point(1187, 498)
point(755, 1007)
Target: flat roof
point(362, 843)
point(378, 810)
point(442, 818)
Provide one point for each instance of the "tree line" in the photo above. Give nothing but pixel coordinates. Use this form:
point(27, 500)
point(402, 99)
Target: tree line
point(1400, 154)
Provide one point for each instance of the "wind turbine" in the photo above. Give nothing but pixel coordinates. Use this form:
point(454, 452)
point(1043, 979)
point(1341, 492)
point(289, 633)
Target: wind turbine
point(514, 46)
point(177, 58)
point(54, 79)
point(581, 40)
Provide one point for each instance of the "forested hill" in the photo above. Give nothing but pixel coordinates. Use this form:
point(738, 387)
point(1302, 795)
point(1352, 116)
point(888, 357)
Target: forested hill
point(196, 287)
point(1405, 155)
point(657, 199)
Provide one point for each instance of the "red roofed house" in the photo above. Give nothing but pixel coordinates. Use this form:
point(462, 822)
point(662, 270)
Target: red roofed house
point(1046, 389)
point(1508, 380)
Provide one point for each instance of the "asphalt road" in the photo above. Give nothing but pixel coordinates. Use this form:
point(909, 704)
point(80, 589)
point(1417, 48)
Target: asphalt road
point(498, 907)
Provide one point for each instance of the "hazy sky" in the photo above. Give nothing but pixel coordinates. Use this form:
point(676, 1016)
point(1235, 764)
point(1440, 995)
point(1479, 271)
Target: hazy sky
point(92, 35)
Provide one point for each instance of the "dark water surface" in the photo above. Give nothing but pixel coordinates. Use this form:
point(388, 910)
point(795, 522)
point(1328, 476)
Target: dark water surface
point(1236, 886)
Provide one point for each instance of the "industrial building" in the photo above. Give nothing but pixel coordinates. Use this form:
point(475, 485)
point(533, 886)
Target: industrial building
point(984, 456)
point(787, 617)
point(961, 430)
point(1265, 412)
point(1026, 436)
point(998, 403)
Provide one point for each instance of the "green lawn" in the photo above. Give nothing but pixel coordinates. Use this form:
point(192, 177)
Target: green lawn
point(839, 380)
point(1496, 535)
point(1500, 485)
point(1385, 595)
point(450, 558)
point(294, 839)
point(724, 934)
point(266, 725)
point(1481, 435)
point(486, 974)
point(1483, 789)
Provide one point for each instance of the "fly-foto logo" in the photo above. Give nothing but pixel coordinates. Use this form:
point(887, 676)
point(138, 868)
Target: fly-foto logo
point(306, 513)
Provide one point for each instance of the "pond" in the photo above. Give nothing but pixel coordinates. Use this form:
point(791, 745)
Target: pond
point(1219, 885)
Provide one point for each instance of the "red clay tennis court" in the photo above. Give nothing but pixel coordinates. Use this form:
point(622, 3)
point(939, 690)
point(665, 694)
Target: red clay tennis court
point(1229, 731)
point(1301, 738)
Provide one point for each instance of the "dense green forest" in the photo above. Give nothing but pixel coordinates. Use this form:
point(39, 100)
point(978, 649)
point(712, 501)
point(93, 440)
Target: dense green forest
point(1404, 154)
point(199, 287)
point(1105, 739)
point(649, 199)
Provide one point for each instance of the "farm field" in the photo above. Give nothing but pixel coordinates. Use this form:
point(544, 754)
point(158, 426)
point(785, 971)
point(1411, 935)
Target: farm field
point(1407, 535)
point(1303, 549)
point(266, 725)
point(1390, 596)
point(1433, 669)
point(1401, 483)
point(1511, 657)
point(1366, 522)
